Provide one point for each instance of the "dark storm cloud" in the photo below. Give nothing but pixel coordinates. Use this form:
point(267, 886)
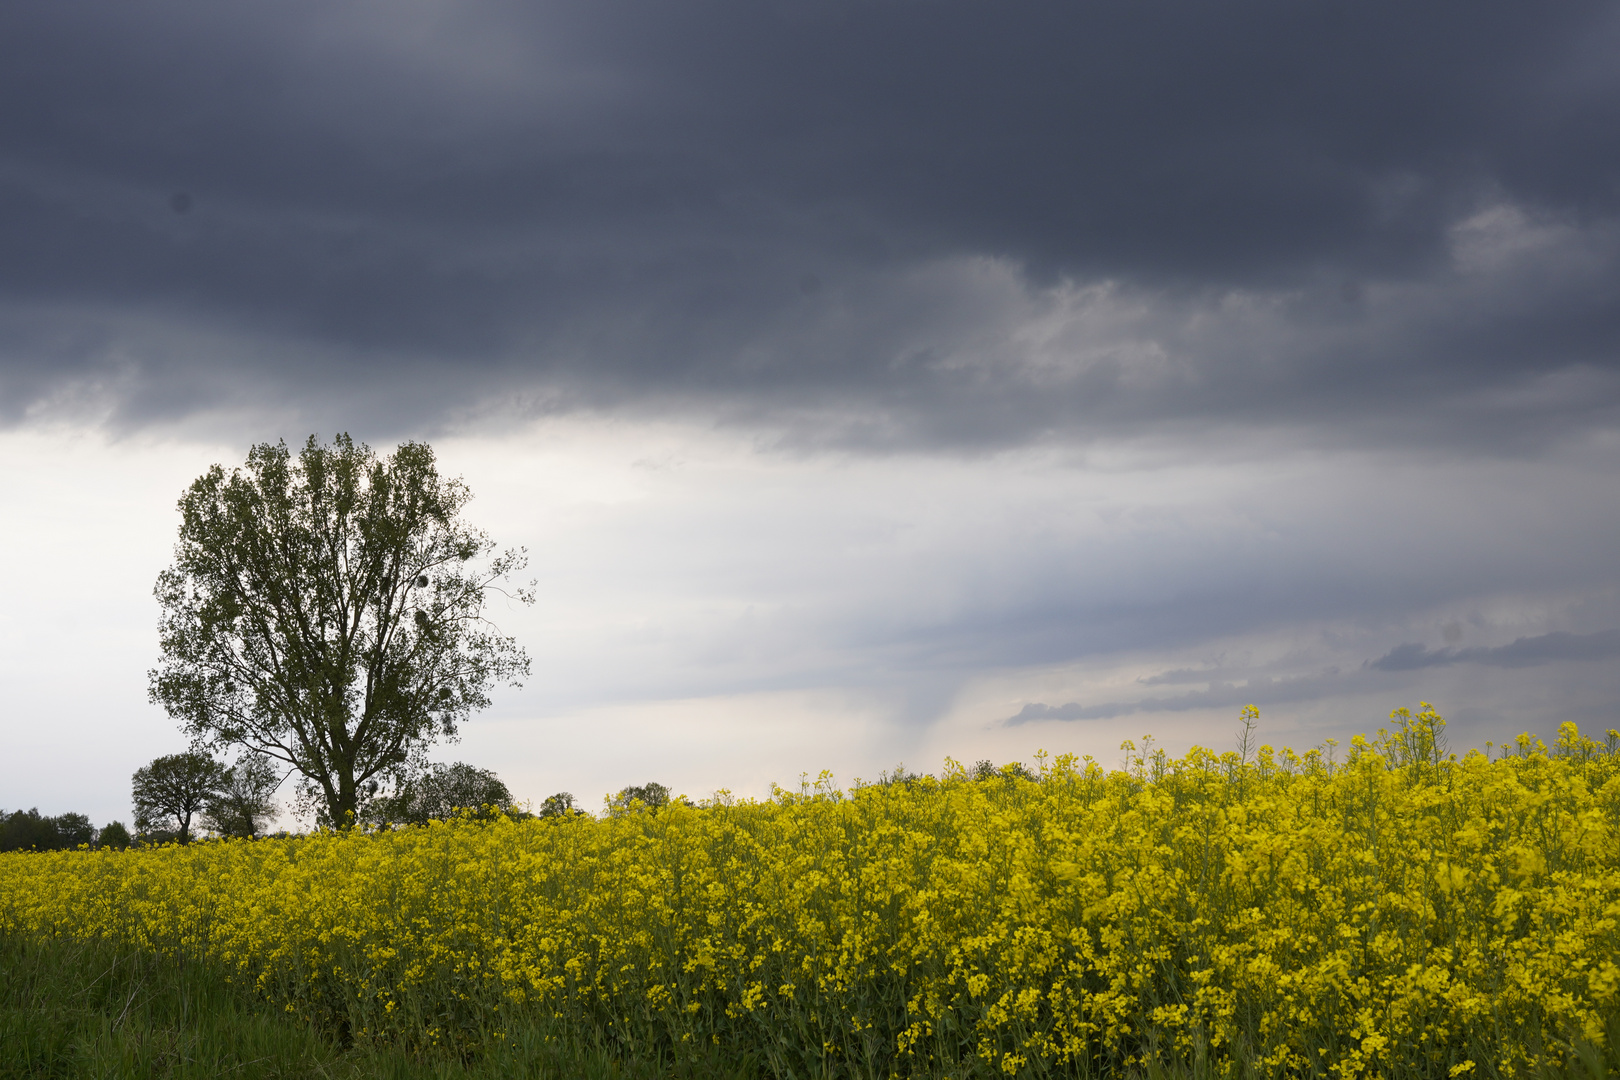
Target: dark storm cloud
point(1523, 652)
point(885, 221)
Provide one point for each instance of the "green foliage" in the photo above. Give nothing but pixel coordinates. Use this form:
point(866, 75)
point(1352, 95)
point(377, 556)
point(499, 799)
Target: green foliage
point(438, 793)
point(91, 1010)
point(242, 805)
point(559, 805)
point(72, 1010)
point(648, 796)
point(327, 611)
point(113, 835)
point(172, 789)
point(28, 830)
point(74, 829)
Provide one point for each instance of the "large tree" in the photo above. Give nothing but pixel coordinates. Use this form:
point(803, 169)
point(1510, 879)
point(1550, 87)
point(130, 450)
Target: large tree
point(327, 610)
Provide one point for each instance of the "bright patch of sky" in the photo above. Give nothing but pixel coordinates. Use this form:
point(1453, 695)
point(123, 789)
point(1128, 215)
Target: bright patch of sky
point(718, 613)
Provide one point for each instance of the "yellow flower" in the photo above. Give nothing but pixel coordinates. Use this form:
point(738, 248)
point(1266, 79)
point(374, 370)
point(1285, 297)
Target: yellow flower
point(1401, 905)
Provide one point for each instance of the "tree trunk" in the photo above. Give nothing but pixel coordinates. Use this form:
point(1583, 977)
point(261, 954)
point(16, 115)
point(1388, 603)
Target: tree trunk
point(347, 809)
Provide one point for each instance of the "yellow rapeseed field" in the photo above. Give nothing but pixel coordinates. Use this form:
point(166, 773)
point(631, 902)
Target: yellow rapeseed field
point(1399, 911)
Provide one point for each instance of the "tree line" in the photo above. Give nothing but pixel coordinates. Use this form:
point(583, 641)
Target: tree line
point(29, 830)
point(178, 796)
point(175, 790)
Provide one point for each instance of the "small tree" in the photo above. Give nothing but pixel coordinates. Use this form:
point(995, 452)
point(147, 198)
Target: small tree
point(73, 830)
point(651, 796)
point(174, 788)
point(242, 806)
point(113, 835)
point(439, 792)
point(559, 805)
point(327, 611)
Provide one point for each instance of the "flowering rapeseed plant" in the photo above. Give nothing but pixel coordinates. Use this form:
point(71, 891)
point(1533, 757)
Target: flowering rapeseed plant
point(1405, 911)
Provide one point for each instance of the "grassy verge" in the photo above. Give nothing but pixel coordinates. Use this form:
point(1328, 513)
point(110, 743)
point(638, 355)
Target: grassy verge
point(96, 1010)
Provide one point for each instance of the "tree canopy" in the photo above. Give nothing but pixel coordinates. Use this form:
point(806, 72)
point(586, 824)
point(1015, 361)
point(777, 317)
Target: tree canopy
point(173, 789)
point(29, 830)
point(439, 792)
point(559, 805)
point(327, 611)
point(650, 796)
point(242, 805)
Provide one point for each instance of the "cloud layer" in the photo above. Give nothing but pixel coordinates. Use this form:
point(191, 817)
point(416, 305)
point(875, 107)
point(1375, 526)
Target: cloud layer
point(878, 224)
point(1523, 652)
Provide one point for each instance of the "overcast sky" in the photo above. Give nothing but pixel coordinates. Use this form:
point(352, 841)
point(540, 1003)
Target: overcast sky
point(869, 381)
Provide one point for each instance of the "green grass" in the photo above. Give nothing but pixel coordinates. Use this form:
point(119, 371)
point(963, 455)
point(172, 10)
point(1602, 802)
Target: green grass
point(96, 1010)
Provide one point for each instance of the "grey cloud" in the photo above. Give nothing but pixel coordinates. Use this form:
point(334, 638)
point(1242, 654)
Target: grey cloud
point(1022, 221)
point(1259, 690)
point(1523, 652)
point(1180, 676)
point(1269, 690)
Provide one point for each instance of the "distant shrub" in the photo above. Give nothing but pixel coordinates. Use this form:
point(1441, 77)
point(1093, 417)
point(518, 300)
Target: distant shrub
point(113, 835)
point(1013, 770)
point(901, 776)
